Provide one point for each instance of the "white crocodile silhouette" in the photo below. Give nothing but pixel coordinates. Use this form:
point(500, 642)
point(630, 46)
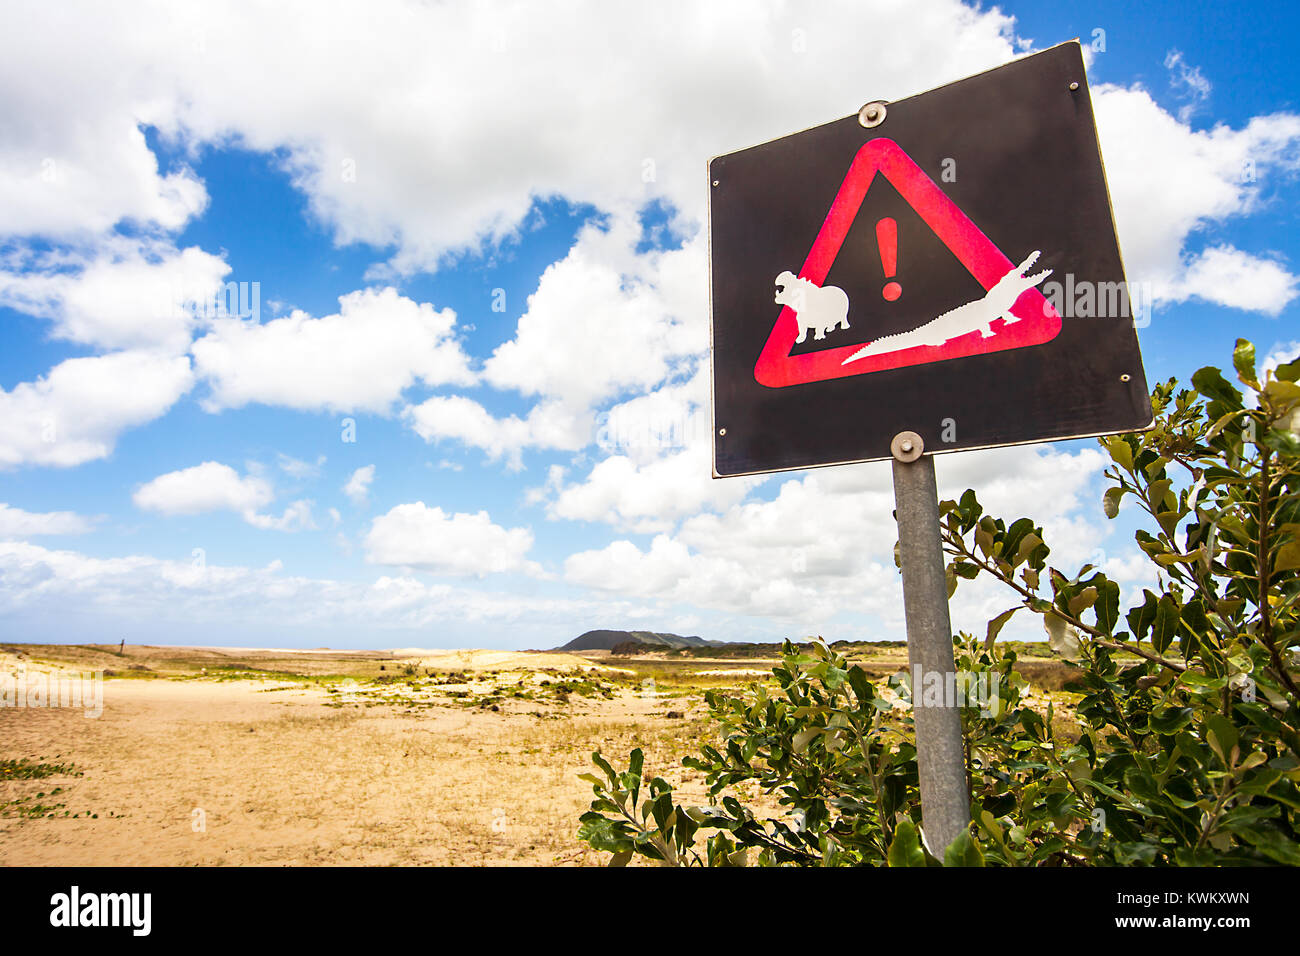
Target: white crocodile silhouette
point(996, 304)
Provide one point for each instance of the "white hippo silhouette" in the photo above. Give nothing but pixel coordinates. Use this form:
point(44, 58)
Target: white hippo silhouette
point(820, 308)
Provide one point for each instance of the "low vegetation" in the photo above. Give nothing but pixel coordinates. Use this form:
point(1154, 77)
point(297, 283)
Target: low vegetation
point(1180, 744)
point(31, 803)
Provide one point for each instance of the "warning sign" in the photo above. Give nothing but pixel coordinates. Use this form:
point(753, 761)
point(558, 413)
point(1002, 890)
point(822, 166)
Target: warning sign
point(1010, 297)
point(872, 278)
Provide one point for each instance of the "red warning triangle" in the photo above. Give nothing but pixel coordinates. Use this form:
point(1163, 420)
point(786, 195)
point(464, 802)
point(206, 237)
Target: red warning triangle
point(1037, 321)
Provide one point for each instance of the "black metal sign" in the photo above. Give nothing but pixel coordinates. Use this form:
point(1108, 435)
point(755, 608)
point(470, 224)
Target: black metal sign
point(944, 264)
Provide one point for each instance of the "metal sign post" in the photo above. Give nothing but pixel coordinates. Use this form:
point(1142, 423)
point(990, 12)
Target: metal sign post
point(940, 754)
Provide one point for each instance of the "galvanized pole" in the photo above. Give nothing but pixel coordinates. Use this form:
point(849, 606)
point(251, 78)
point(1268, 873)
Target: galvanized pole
point(940, 754)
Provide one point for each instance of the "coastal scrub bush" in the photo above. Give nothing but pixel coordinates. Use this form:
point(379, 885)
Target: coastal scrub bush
point(1181, 745)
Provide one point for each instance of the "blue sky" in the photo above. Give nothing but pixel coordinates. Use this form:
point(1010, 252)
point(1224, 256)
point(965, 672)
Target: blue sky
point(476, 238)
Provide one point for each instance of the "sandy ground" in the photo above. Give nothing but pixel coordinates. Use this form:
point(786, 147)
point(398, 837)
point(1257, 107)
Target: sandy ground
point(254, 772)
point(272, 756)
point(480, 660)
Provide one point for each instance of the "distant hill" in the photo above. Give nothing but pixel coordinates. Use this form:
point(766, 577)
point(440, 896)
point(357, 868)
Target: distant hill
point(608, 640)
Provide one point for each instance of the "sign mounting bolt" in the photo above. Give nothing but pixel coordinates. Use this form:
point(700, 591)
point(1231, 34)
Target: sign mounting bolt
point(722, 433)
point(873, 114)
point(1074, 85)
point(1125, 377)
point(907, 446)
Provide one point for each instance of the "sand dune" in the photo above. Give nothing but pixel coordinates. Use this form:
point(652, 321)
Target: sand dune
point(218, 767)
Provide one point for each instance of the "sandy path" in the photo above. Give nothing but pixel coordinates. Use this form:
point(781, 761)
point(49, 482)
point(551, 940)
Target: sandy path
point(280, 778)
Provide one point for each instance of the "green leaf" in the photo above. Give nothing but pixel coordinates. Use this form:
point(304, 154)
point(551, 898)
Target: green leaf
point(1210, 382)
point(1171, 720)
point(1011, 543)
point(906, 848)
point(632, 779)
point(1223, 422)
point(1222, 737)
point(996, 625)
point(1107, 606)
point(1111, 499)
point(1083, 600)
point(1243, 359)
point(963, 851)
point(1165, 625)
point(1120, 451)
point(989, 824)
point(1281, 393)
point(1028, 544)
point(1142, 617)
point(804, 737)
point(1284, 443)
point(621, 858)
point(603, 764)
point(861, 684)
point(1158, 494)
point(970, 506)
point(1288, 557)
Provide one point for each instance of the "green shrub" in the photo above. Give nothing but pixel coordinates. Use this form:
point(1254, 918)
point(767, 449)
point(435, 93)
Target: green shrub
point(1183, 747)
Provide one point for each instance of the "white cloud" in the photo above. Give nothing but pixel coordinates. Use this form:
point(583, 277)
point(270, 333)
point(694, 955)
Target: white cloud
point(76, 97)
point(76, 412)
point(357, 487)
point(659, 465)
point(375, 175)
point(1188, 81)
point(212, 486)
point(548, 424)
point(417, 536)
point(67, 172)
point(824, 544)
point(1280, 354)
point(649, 497)
point(296, 517)
point(148, 596)
point(17, 523)
point(1223, 273)
point(604, 320)
point(122, 295)
point(361, 358)
point(296, 468)
point(1169, 183)
point(605, 324)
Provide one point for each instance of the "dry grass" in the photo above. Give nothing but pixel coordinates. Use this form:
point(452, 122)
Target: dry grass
point(221, 765)
point(323, 757)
